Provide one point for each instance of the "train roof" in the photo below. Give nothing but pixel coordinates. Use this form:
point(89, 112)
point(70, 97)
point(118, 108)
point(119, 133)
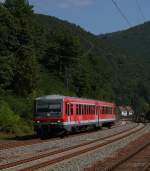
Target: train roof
point(50, 97)
point(61, 97)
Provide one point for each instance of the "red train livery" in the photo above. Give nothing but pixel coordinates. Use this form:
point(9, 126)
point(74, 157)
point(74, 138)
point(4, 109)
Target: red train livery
point(63, 113)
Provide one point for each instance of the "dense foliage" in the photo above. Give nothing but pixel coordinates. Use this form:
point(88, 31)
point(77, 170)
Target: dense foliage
point(135, 42)
point(42, 55)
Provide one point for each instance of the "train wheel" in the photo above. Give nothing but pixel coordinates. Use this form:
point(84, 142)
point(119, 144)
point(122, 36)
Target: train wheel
point(73, 130)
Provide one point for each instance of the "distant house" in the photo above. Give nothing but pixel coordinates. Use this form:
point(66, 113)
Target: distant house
point(125, 111)
point(129, 110)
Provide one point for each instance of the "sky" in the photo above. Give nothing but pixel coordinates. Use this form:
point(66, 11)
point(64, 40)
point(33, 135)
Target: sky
point(96, 16)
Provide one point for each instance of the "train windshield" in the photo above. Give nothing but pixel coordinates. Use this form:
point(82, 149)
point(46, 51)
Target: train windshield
point(48, 108)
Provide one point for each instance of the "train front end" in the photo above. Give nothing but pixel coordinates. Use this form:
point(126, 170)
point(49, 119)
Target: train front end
point(48, 116)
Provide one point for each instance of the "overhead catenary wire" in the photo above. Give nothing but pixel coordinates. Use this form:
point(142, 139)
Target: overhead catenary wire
point(121, 13)
point(140, 10)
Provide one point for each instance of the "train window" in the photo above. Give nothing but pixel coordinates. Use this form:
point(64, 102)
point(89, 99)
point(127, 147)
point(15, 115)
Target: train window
point(67, 109)
point(88, 109)
point(110, 110)
point(85, 109)
point(100, 110)
point(82, 109)
point(93, 110)
point(77, 109)
point(97, 110)
point(71, 109)
point(106, 110)
point(103, 110)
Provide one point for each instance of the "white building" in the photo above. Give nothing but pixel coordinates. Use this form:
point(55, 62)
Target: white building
point(126, 111)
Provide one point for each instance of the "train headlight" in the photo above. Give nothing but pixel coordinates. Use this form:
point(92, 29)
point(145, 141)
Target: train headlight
point(48, 114)
point(38, 121)
point(58, 121)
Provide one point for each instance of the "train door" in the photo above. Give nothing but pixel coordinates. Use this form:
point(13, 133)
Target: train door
point(77, 114)
point(69, 113)
point(97, 115)
point(98, 112)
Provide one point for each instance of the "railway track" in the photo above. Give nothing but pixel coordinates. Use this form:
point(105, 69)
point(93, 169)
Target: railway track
point(146, 167)
point(136, 156)
point(37, 140)
point(18, 144)
point(54, 157)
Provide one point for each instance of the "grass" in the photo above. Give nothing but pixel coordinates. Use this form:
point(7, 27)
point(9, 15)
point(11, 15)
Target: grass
point(10, 136)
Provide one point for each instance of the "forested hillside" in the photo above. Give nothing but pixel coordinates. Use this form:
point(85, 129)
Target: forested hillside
point(42, 55)
point(135, 41)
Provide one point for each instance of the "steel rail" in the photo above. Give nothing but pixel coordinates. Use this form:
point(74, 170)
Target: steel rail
point(131, 154)
point(9, 145)
point(77, 151)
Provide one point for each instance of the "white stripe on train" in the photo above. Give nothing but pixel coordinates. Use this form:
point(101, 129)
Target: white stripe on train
point(87, 121)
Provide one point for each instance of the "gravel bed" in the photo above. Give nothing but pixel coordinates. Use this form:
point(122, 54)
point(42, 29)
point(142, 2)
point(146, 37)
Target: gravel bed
point(88, 159)
point(18, 153)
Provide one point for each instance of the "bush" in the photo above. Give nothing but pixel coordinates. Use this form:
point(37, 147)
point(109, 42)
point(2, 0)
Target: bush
point(11, 122)
point(20, 106)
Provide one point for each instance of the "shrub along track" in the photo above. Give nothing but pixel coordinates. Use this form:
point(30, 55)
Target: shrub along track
point(19, 143)
point(135, 156)
point(54, 157)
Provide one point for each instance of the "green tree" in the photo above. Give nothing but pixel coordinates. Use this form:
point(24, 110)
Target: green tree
point(26, 73)
point(19, 8)
point(26, 65)
point(63, 56)
point(8, 45)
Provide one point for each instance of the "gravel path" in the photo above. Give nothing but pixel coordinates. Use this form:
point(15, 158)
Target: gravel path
point(88, 159)
point(18, 153)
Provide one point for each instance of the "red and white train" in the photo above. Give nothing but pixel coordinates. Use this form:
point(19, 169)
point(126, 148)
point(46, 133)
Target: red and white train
point(65, 114)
